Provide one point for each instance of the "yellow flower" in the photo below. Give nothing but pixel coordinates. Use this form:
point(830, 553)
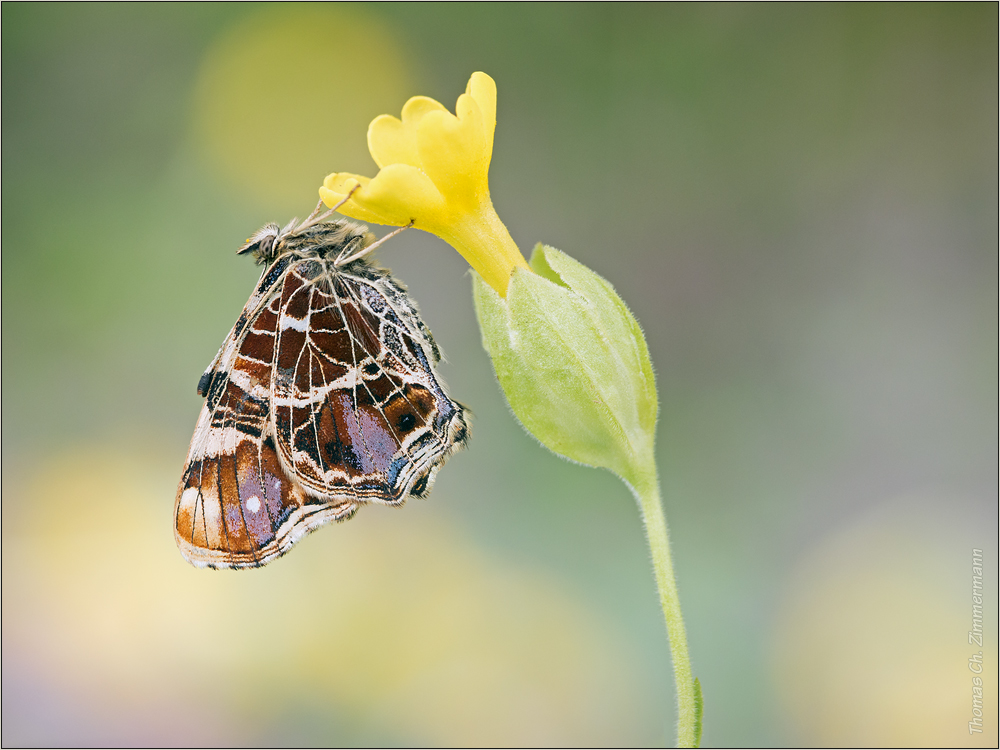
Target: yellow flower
point(433, 173)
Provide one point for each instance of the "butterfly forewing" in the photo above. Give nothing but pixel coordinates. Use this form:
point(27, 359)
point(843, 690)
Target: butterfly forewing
point(322, 398)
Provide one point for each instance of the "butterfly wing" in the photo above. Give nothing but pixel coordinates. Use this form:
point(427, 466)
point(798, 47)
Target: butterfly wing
point(322, 398)
point(236, 505)
point(358, 411)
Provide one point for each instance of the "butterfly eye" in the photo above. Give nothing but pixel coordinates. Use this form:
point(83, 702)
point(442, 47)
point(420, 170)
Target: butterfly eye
point(264, 249)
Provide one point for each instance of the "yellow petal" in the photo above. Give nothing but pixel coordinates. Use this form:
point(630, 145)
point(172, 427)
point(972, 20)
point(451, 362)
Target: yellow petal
point(483, 90)
point(398, 194)
point(418, 106)
point(393, 141)
point(337, 186)
point(404, 193)
point(470, 113)
point(350, 208)
point(344, 182)
point(453, 153)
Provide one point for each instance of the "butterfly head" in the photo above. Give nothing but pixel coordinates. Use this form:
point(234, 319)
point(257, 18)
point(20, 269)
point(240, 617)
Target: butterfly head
point(262, 243)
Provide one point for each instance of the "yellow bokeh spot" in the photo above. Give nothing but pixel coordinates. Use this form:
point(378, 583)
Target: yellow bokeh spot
point(291, 89)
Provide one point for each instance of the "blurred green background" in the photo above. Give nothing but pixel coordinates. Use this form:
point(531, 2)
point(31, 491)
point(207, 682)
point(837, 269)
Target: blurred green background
point(799, 202)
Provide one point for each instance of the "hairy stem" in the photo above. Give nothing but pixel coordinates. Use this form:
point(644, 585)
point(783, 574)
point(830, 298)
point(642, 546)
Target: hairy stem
point(689, 704)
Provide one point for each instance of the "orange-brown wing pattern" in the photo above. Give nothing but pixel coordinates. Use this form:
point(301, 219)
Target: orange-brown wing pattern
point(239, 509)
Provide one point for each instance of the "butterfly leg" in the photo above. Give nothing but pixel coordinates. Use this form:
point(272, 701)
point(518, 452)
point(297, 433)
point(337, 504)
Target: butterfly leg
point(315, 217)
point(364, 251)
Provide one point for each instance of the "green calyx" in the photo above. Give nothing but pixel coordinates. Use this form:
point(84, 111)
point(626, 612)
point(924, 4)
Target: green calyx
point(573, 363)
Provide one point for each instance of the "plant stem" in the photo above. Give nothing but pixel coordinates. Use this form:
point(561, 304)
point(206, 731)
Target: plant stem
point(689, 708)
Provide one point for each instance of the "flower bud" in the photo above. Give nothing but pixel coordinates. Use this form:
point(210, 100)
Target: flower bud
point(573, 363)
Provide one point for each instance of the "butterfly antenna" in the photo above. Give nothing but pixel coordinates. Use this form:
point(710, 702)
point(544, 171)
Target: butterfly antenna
point(363, 252)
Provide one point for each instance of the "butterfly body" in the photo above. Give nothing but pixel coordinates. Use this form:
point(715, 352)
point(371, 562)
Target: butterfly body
point(323, 398)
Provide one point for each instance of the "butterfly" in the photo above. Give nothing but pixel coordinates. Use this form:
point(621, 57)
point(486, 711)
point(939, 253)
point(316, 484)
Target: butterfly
point(323, 398)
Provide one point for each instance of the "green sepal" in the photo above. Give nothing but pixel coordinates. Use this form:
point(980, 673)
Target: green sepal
point(573, 362)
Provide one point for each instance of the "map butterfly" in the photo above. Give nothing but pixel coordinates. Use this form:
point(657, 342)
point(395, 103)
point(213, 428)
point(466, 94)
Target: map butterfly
point(323, 398)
